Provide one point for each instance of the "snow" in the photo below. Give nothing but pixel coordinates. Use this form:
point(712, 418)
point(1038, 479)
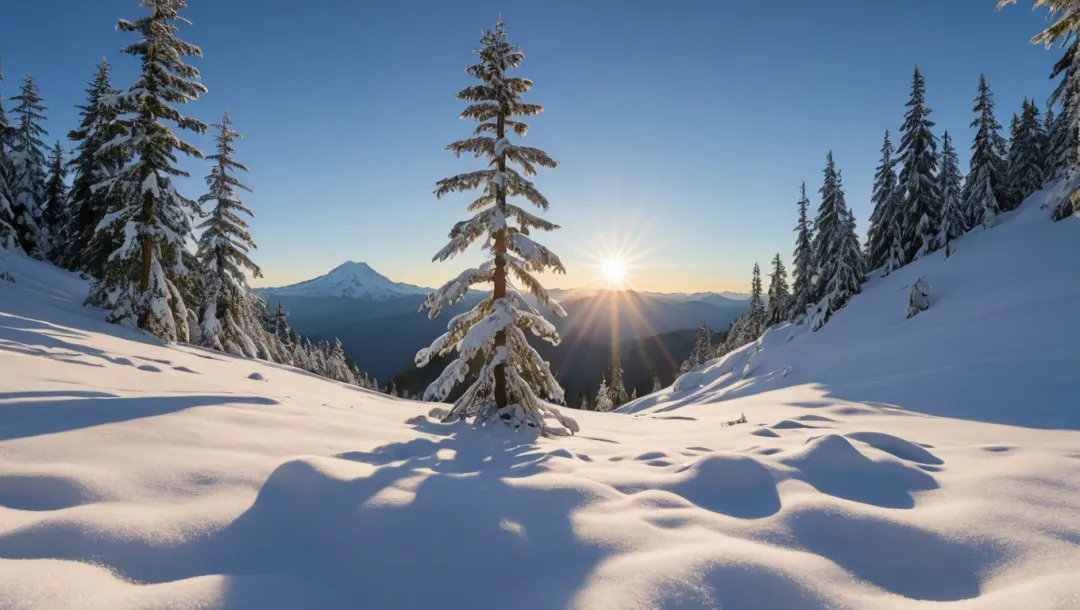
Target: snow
point(349, 280)
point(900, 463)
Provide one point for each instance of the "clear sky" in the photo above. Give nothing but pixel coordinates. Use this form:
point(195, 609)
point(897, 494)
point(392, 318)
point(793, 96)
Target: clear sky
point(683, 128)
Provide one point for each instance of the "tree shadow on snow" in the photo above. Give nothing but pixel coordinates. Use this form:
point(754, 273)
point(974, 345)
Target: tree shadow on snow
point(443, 523)
point(30, 416)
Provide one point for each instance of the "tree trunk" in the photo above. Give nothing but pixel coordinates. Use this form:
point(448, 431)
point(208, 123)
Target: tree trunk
point(498, 250)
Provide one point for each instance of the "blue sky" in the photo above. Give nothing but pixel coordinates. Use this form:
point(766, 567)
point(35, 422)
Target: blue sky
point(683, 128)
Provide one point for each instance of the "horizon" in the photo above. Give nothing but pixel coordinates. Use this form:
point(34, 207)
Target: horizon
point(721, 188)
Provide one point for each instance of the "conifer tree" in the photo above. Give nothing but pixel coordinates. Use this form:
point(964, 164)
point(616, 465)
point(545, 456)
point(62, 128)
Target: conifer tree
point(144, 276)
point(617, 388)
point(88, 249)
point(986, 186)
point(1025, 155)
point(701, 353)
point(584, 401)
point(802, 295)
point(8, 234)
point(512, 377)
point(757, 312)
point(779, 297)
point(228, 316)
point(918, 160)
point(603, 402)
point(1066, 138)
point(885, 221)
point(28, 168)
point(840, 263)
point(56, 213)
point(1013, 164)
point(953, 219)
point(656, 385)
point(633, 395)
point(1049, 161)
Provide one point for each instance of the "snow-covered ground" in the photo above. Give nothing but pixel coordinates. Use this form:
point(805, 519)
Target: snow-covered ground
point(886, 463)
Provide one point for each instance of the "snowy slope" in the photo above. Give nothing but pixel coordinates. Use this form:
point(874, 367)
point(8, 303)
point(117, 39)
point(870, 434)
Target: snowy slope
point(349, 280)
point(139, 476)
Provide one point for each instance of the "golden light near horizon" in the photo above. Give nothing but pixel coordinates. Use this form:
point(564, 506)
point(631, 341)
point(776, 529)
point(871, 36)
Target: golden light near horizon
point(614, 271)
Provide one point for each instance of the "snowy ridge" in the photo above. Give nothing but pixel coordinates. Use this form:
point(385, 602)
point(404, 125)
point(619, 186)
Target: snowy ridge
point(349, 280)
point(139, 476)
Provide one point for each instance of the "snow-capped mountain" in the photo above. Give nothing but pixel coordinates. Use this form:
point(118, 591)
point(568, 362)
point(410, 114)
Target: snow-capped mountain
point(349, 280)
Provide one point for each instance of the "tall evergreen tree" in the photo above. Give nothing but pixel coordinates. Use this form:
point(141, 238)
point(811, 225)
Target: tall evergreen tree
point(618, 388)
point(1026, 155)
point(656, 385)
point(142, 281)
point(757, 303)
point(986, 186)
point(1013, 164)
point(603, 402)
point(885, 222)
point(55, 216)
point(29, 166)
point(88, 249)
point(512, 373)
point(702, 351)
point(1066, 138)
point(918, 160)
point(228, 316)
point(779, 297)
point(1049, 156)
point(802, 294)
point(8, 234)
point(953, 220)
point(840, 263)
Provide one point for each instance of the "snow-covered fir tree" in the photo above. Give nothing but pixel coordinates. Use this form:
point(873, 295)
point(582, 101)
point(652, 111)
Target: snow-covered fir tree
point(617, 387)
point(986, 185)
point(143, 280)
point(1046, 145)
point(779, 296)
point(802, 291)
point(56, 213)
point(29, 167)
point(1026, 155)
point(1065, 140)
point(1013, 163)
point(918, 160)
point(953, 219)
point(87, 248)
point(656, 385)
point(702, 351)
point(584, 402)
point(633, 395)
point(840, 262)
point(228, 316)
point(337, 365)
point(757, 313)
point(603, 402)
point(8, 238)
point(886, 219)
point(512, 377)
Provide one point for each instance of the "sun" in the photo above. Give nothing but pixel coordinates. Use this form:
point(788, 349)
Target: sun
point(614, 270)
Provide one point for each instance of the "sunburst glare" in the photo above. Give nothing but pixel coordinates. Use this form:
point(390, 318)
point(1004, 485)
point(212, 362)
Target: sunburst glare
point(614, 271)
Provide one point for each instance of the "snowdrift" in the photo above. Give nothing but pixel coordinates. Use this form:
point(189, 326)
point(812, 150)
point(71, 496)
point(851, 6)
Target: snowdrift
point(885, 463)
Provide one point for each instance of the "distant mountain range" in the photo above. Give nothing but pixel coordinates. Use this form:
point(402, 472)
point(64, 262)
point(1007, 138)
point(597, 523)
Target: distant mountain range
point(381, 328)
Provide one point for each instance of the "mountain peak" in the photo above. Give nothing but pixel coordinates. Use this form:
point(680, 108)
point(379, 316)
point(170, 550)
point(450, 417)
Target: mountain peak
point(351, 280)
